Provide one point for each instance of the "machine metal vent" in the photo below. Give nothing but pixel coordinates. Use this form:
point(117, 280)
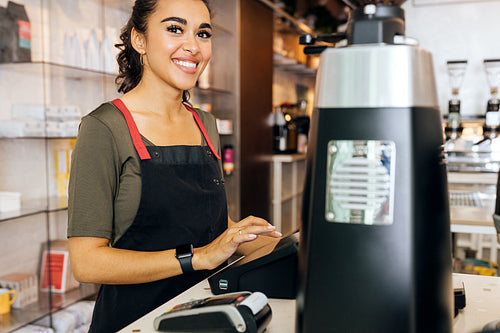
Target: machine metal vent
point(360, 182)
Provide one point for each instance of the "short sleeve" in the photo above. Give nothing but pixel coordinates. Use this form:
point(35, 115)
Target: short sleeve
point(93, 181)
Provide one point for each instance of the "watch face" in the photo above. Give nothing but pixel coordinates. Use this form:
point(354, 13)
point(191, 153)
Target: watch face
point(183, 251)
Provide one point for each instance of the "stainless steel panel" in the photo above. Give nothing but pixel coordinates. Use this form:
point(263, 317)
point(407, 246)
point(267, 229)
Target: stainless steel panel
point(360, 182)
point(371, 76)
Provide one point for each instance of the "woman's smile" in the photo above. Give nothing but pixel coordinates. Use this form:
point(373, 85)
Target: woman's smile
point(186, 64)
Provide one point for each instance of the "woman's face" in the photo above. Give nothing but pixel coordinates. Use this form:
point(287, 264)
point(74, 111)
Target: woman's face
point(178, 42)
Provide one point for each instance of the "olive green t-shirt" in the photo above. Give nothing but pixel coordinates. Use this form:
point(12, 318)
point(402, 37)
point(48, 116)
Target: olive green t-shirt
point(105, 178)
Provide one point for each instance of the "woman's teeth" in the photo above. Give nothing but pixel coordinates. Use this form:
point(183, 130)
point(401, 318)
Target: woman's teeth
point(187, 64)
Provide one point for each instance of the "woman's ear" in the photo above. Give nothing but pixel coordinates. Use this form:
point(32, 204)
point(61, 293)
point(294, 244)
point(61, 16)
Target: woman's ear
point(138, 41)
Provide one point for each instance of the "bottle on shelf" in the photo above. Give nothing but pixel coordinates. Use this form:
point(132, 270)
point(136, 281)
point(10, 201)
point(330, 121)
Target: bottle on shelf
point(280, 131)
point(456, 73)
point(491, 128)
point(228, 159)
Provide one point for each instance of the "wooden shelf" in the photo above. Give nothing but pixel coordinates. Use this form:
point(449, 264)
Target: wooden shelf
point(292, 65)
point(210, 91)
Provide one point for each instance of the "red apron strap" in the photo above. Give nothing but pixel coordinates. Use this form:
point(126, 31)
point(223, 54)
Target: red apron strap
point(136, 136)
point(204, 131)
point(139, 145)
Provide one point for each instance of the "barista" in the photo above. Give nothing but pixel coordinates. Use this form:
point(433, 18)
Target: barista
point(147, 206)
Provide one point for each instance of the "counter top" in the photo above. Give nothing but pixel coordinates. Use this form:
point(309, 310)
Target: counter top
point(284, 158)
point(283, 319)
point(482, 298)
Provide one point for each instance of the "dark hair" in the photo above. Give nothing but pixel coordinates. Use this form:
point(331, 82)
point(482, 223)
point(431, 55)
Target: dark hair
point(129, 60)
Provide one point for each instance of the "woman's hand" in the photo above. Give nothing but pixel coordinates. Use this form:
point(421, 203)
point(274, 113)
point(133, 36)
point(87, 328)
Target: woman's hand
point(218, 251)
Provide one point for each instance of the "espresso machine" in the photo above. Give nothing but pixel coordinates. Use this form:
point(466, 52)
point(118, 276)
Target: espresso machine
point(375, 247)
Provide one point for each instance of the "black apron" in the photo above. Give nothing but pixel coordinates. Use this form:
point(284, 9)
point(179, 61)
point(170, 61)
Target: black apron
point(183, 201)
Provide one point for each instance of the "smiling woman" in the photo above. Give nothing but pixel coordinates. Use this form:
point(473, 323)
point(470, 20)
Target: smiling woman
point(131, 59)
point(147, 204)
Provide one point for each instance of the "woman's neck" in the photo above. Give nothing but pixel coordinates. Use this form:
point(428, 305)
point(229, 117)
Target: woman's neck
point(157, 98)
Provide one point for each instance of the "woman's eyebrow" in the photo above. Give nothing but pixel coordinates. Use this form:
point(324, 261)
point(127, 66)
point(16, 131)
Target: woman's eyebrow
point(205, 26)
point(184, 22)
point(176, 19)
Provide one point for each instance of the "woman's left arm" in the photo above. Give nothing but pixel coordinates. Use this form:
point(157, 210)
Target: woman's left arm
point(262, 243)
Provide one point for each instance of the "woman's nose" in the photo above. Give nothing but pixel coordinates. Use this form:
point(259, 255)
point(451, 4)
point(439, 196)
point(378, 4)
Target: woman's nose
point(191, 44)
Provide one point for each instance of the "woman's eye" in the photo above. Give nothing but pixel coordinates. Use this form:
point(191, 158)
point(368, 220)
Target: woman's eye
point(204, 34)
point(175, 29)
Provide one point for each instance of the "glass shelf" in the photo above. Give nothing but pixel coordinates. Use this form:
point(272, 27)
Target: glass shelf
point(56, 70)
point(37, 137)
point(209, 91)
point(18, 318)
point(292, 65)
point(35, 207)
point(125, 5)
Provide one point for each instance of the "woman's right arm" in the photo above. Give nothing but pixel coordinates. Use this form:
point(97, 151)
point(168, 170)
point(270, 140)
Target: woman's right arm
point(93, 261)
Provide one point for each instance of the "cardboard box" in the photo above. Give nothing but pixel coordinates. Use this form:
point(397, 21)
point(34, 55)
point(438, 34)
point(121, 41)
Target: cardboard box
point(56, 261)
point(26, 286)
point(10, 201)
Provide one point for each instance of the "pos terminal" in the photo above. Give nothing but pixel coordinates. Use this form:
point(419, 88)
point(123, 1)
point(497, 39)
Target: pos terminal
point(274, 273)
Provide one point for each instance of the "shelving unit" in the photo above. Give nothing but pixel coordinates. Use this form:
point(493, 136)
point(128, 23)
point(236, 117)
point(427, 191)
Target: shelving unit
point(28, 162)
point(37, 312)
point(35, 207)
point(57, 70)
point(288, 175)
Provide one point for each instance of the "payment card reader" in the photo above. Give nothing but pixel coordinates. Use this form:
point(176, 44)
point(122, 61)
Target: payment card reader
point(272, 272)
point(242, 312)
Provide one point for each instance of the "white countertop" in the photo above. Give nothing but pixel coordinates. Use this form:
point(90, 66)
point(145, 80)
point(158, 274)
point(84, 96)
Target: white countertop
point(482, 298)
point(283, 319)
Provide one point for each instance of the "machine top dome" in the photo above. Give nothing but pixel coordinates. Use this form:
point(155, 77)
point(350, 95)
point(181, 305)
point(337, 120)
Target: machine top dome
point(361, 3)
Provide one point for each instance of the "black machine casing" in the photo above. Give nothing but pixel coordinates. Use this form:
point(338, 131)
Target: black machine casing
point(378, 278)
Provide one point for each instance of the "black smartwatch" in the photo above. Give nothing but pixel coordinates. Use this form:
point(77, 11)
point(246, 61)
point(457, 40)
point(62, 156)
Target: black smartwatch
point(184, 253)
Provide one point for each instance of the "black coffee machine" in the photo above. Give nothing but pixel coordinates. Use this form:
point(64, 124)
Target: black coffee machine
point(375, 248)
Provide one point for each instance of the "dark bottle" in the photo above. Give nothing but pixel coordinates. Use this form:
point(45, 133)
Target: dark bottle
point(228, 159)
point(280, 132)
point(453, 129)
point(491, 127)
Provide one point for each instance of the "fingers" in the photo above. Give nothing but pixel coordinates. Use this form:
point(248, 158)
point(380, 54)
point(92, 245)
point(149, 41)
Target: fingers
point(252, 220)
point(250, 232)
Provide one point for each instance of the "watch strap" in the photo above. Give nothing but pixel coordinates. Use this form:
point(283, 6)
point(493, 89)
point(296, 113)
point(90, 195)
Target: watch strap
point(186, 264)
point(184, 253)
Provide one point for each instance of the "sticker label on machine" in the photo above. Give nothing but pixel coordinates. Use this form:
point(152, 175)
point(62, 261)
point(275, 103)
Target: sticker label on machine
point(360, 182)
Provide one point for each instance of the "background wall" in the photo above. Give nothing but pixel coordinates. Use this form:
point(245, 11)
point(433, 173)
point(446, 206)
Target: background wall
point(456, 30)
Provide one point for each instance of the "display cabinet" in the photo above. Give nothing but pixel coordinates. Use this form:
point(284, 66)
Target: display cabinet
point(288, 177)
point(70, 71)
